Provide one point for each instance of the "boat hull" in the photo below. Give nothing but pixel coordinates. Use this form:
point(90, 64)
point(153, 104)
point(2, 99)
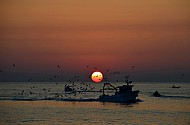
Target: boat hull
point(120, 98)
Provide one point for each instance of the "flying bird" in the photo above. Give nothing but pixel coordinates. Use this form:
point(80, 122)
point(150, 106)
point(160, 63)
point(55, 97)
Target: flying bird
point(14, 65)
point(127, 76)
point(133, 67)
point(117, 72)
point(29, 80)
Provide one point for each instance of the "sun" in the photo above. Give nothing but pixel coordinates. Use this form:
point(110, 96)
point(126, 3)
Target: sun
point(97, 76)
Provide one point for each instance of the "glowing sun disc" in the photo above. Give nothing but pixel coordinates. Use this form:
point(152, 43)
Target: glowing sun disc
point(97, 76)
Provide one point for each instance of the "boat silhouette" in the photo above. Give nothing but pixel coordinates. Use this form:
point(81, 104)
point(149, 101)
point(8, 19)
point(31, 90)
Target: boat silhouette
point(176, 86)
point(156, 94)
point(123, 94)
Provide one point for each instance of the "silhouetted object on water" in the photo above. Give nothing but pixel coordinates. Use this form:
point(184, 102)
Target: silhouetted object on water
point(125, 94)
point(176, 86)
point(156, 94)
point(69, 88)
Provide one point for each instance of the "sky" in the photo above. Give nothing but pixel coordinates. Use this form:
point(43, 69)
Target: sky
point(38, 35)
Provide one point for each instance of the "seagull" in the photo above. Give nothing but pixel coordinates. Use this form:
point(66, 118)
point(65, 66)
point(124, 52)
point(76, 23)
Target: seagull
point(14, 65)
point(133, 67)
point(29, 80)
point(127, 76)
point(117, 72)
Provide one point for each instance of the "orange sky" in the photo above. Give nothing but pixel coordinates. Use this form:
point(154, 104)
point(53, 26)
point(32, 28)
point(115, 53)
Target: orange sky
point(39, 34)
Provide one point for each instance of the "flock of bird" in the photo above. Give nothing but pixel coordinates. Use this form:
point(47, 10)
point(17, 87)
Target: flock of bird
point(75, 86)
point(38, 91)
point(55, 76)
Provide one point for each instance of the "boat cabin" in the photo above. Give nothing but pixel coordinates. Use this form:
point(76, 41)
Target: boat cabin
point(124, 88)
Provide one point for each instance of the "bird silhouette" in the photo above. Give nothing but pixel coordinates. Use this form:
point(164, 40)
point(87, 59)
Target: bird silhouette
point(14, 65)
point(127, 76)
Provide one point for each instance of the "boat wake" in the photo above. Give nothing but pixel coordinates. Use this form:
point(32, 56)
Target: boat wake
point(169, 96)
point(51, 99)
point(58, 99)
point(175, 97)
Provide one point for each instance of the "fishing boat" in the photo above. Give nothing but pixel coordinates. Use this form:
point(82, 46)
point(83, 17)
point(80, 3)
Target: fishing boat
point(176, 86)
point(123, 94)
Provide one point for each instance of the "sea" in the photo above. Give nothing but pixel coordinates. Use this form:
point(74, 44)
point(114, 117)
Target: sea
point(46, 103)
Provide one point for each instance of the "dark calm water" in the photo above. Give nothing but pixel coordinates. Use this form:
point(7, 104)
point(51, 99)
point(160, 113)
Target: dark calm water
point(47, 103)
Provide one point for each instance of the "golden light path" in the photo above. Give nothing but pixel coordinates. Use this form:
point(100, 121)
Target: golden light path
point(97, 76)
